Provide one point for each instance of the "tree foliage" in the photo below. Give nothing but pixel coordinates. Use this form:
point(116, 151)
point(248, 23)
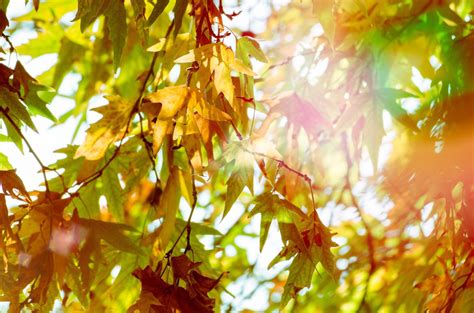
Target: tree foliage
point(320, 162)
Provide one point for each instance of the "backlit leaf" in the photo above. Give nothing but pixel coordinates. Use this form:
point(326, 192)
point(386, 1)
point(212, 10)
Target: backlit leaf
point(117, 24)
point(107, 130)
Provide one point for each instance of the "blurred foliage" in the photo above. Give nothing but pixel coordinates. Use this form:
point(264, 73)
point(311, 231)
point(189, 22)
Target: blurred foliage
point(318, 160)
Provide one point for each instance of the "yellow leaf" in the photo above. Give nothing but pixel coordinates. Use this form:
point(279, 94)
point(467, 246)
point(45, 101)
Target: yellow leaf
point(169, 203)
point(206, 110)
point(223, 81)
point(219, 60)
point(159, 132)
point(107, 130)
point(166, 102)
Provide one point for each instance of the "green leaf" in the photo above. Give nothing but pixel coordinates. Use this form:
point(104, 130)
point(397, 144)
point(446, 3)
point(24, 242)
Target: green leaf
point(16, 108)
point(48, 41)
point(89, 10)
point(69, 53)
point(13, 134)
point(250, 47)
point(113, 192)
point(242, 175)
point(35, 102)
point(271, 207)
point(113, 234)
point(300, 275)
point(117, 24)
point(179, 10)
point(4, 164)
point(156, 12)
point(4, 5)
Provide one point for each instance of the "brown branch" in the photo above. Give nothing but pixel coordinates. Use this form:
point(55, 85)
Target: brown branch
point(283, 164)
point(289, 59)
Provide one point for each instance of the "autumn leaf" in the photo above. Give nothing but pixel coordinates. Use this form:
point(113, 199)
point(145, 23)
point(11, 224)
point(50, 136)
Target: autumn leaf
point(271, 207)
point(107, 130)
point(174, 297)
point(165, 104)
point(206, 110)
point(12, 185)
point(241, 177)
point(218, 61)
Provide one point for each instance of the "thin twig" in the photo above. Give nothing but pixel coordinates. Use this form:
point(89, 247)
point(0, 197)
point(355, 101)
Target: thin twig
point(370, 238)
point(283, 164)
point(32, 151)
point(134, 110)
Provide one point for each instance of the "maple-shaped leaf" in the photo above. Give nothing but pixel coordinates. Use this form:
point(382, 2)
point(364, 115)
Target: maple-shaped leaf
point(145, 304)
point(241, 177)
point(217, 61)
point(37, 98)
point(300, 276)
point(172, 297)
point(107, 130)
point(307, 251)
point(10, 101)
point(113, 234)
point(271, 207)
point(181, 266)
point(305, 239)
point(51, 205)
point(238, 153)
point(246, 47)
point(166, 104)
